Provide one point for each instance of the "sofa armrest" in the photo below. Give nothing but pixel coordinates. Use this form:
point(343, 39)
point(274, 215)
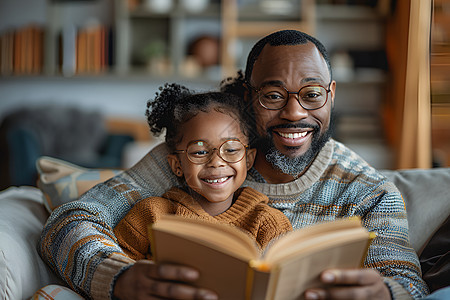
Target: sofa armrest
point(427, 198)
point(22, 216)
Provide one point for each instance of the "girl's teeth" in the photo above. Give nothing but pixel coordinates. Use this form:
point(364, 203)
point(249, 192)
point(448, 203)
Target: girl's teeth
point(218, 180)
point(295, 135)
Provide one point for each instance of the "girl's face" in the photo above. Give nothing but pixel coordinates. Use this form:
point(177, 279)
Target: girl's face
point(216, 180)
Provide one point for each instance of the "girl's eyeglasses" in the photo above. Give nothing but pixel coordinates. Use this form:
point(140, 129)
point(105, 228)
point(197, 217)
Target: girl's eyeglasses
point(200, 152)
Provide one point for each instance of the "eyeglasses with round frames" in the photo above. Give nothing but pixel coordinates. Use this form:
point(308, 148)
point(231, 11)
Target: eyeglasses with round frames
point(310, 97)
point(200, 152)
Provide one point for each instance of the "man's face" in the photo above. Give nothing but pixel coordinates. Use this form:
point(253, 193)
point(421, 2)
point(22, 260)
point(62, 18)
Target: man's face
point(292, 132)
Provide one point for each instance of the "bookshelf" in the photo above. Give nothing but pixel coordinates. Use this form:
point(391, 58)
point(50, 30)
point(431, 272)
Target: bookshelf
point(22, 51)
point(128, 34)
point(74, 38)
point(157, 42)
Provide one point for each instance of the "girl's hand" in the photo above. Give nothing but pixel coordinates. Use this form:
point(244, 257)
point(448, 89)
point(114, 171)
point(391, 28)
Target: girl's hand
point(148, 280)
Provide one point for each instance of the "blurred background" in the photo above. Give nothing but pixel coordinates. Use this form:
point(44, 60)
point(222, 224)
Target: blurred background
point(75, 75)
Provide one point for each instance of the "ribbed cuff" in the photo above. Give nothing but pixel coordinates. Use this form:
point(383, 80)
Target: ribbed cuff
point(106, 274)
point(115, 279)
point(397, 291)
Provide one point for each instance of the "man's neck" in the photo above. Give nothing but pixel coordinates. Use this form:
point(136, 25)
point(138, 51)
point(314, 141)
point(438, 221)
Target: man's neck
point(271, 174)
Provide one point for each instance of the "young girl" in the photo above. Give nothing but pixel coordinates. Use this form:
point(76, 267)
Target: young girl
point(208, 138)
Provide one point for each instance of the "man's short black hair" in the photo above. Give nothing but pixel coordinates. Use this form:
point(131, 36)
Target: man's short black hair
point(283, 38)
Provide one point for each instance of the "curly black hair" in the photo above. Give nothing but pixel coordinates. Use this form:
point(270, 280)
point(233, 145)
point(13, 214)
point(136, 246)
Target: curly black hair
point(175, 104)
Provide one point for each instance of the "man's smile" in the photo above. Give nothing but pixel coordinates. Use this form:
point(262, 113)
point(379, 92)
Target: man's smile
point(292, 136)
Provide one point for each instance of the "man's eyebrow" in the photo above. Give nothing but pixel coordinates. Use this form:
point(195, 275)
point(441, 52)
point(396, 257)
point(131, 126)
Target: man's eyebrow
point(281, 83)
point(311, 79)
point(272, 82)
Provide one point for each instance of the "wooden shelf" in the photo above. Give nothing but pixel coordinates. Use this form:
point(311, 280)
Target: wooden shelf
point(347, 13)
point(234, 27)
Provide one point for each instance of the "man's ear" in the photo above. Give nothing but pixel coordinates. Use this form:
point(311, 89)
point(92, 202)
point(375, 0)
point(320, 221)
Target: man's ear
point(251, 154)
point(332, 92)
point(175, 164)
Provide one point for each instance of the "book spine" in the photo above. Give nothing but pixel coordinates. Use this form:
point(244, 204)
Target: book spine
point(81, 52)
point(249, 281)
point(38, 50)
point(258, 277)
point(17, 51)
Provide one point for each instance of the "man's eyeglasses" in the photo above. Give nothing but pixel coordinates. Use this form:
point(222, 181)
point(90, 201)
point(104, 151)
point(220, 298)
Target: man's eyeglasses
point(275, 97)
point(200, 152)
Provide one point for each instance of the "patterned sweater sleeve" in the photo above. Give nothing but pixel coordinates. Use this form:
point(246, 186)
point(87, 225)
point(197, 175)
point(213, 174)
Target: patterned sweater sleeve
point(78, 242)
point(390, 252)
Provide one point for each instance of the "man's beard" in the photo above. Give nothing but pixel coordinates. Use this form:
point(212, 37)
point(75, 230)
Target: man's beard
point(296, 165)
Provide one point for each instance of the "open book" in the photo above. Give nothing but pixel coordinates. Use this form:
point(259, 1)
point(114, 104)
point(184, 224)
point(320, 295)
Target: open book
point(231, 263)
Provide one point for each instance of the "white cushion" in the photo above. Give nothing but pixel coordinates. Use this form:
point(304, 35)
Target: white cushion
point(55, 292)
point(22, 216)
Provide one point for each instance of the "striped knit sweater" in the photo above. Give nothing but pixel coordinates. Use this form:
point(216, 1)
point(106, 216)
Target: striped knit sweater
point(249, 212)
point(79, 244)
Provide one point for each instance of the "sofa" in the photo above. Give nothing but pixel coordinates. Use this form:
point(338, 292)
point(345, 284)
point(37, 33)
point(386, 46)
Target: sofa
point(30, 132)
point(24, 210)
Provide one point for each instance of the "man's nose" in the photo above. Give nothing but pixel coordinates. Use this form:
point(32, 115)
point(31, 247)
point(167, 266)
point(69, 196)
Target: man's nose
point(293, 111)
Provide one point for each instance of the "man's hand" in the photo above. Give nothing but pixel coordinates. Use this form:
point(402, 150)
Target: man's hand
point(350, 284)
point(147, 280)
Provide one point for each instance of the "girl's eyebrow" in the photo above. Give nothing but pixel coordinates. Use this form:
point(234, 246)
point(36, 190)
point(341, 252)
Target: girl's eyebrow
point(221, 140)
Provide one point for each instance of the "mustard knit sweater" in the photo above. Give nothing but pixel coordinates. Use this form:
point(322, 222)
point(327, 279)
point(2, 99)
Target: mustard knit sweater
point(249, 212)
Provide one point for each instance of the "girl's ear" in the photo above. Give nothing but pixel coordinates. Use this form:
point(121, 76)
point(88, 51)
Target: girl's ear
point(251, 154)
point(175, 164)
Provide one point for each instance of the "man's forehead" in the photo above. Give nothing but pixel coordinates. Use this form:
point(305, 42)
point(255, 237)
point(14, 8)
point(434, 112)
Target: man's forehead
point(295, 59)
point(270, 51)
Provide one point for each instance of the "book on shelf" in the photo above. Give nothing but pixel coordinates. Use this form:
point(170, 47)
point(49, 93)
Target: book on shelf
point(92, 49)
point(231, 264)
point(7, 53)
point(28, 50)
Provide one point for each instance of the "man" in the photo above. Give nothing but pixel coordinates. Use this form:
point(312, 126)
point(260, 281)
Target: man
point(310, 177)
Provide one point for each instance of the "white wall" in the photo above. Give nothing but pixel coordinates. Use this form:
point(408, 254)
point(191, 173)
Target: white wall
point(113, 96)
point(16, 13)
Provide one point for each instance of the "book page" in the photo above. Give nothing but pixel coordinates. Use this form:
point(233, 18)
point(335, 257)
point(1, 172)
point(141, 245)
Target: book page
point(315, 243)
point(293, 238)
point(293, 276)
